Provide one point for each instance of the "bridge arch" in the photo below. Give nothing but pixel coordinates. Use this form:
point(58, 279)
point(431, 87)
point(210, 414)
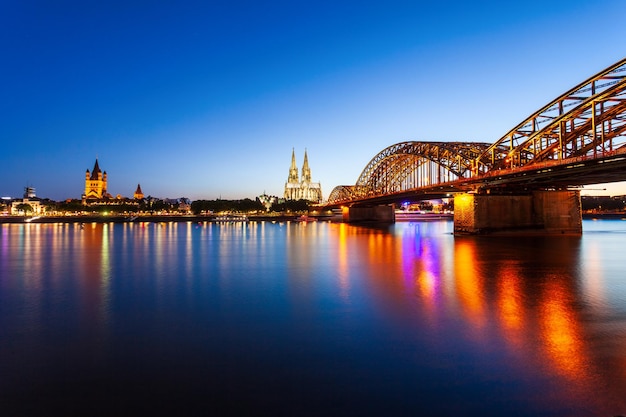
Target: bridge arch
point(587, 120)
point(342, 193)
point(584, 126)
point(408, 165)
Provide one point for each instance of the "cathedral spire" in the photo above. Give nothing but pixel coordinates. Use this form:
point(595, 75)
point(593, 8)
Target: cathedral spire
point(96, 170)
point(306, 171)
point(293, 170)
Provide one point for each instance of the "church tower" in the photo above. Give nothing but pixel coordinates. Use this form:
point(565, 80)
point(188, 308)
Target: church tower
point(95, 183)
point(138, 193)
point(293, 170)
point(292, 186)
point(306, 171)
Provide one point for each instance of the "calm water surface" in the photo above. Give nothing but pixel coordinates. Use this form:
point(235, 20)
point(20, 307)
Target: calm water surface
point(310, 319)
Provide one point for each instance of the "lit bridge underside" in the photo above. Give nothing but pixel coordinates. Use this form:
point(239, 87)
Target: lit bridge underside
point(577, 139)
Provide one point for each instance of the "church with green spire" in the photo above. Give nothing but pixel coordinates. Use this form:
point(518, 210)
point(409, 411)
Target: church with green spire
point(302, 188)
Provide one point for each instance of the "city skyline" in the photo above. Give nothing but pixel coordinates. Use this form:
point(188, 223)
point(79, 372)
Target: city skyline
point(205, 101)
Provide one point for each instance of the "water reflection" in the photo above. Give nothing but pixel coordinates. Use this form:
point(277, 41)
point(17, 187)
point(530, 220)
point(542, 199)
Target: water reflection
point(95, 261)
point(521, 296)
point(530, 324)
point(469, 284)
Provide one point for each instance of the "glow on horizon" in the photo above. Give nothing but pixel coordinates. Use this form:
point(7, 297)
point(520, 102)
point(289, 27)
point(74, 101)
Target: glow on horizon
point(205, 100)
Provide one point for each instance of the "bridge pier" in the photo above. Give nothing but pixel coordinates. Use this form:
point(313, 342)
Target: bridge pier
point(542, 212)
point(381, 213)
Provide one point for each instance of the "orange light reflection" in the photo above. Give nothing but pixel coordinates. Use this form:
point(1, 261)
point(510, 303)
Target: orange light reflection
point(468, 283)
point(561, 334)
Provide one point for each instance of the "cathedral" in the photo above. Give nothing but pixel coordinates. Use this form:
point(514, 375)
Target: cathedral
point(96, 184)
point(303, 189)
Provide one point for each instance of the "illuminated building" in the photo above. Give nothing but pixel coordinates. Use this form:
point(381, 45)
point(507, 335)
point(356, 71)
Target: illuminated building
point(95, 184)
point(269, 200)
point(138, 193)
point(304, 189)
point(26, 206)
point(29, 205)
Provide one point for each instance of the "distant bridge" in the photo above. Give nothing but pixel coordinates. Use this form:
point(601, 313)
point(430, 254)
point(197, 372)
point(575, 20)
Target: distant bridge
point(577, 139)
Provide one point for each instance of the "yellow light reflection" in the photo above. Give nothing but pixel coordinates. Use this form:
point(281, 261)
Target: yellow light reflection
point(342, 261)
point(594, 284)
point(105, 272)
point(509, 300)
point(468, 282)
point(510, 307)
point(560, 331)
point(426, 284)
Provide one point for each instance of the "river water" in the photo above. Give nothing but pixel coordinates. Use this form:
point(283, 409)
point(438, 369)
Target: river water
point(310, 319)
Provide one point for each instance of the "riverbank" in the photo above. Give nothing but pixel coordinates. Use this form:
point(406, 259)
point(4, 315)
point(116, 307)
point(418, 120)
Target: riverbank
point(152, 218)
point(212, 218)
point(600, 216)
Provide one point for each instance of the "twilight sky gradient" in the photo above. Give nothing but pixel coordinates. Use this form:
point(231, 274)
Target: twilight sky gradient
point(207, 99)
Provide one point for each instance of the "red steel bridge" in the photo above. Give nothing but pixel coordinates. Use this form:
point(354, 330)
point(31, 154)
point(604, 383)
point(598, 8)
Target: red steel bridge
point(577, 139)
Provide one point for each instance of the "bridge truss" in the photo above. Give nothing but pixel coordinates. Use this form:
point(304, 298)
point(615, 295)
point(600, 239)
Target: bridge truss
point(410, 165)
point(587, 123)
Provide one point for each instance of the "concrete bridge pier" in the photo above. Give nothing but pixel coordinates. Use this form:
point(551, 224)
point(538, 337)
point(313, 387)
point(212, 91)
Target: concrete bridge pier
point(542, 212)
point(380, 213)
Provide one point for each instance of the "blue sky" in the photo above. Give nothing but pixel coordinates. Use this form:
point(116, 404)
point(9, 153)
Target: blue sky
point(208, 99)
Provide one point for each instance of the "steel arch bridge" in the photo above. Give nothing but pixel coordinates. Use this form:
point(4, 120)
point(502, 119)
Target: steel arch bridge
point(577, 139)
